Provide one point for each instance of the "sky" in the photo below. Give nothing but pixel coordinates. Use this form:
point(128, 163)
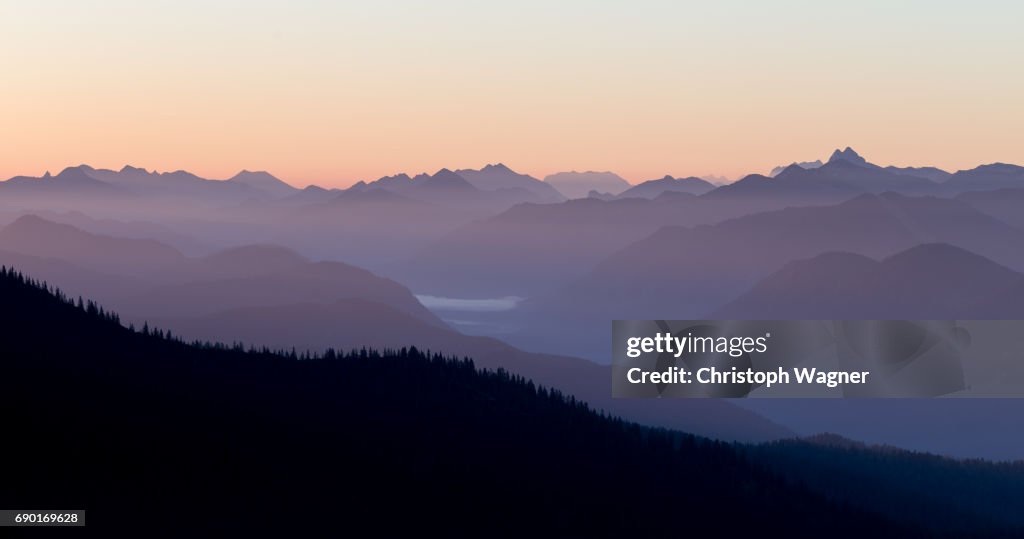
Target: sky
point(335, 92)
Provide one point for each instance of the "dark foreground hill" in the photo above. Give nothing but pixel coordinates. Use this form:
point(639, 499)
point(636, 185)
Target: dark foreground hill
point(265, 295)
point(155, 437)
point(958, 496)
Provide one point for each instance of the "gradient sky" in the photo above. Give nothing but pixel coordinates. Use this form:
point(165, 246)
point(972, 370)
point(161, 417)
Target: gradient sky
point(334, 92)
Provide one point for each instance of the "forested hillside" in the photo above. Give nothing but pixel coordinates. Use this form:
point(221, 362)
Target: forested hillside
point(154, 436)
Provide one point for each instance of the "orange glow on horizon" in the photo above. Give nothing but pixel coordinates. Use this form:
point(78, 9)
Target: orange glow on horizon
point(334, 93)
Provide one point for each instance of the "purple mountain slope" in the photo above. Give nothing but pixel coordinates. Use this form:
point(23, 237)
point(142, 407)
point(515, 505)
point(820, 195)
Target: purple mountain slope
point(35, 236)
point(492, 188)
point(531, 247)
point(264, 181)
point(356, 323)
point(128, 229)
point(845, 174)
point(684, 273)
point(802, 164)
point(70, 182)
point(654, 188)
point(498, 177)
point(164, 281)
point(929, 281)
point(181, 183)
point(748, 248)
point(851, 156)
point(1004, 204)
point(578, 184)
point(987, 177)
point(934, 174)
point(270, 295)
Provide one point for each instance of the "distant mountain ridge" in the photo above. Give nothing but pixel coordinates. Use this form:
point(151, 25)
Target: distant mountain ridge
point(264, 181)
point(495, 181)
point(987, 178)
point(654, 188)
point(928, 281)
point(498, 176)
point(137, 181)
point(507, 187)
point(148, 419)
point(578, 184)
point(269, 295)
point(803, 164)
point(850, 155)
point(686, 272)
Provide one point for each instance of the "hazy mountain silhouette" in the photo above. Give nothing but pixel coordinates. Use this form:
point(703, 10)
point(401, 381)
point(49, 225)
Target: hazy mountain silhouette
point(443, 182)
point(368, 227)
point(499, 176)
point(929, 281)
point(934, 174)
point(249, 260)
point(264, 181)
point(735, 250)
point(169, 283)
point(795, 186)
point(578, 184)
point(311, 194)
point(715, 180)
point(183, 184)
point(127, 229)
point(961, 427)
point(271, 296)
point(35, 236)
point(494, 187)
point(845, 175)
point(72, 181)
point(1004, 204)
point(860, 176)
point(206, 290)
point(532, 247)
point(654, 188)
point(682, 273)
point(987, 177)
point(134, 194)
point(802, 164)
point(357, 323)
point(949, 495)
point(600, 196)
point(148, 421)
point(851, 156)
point(74, 280)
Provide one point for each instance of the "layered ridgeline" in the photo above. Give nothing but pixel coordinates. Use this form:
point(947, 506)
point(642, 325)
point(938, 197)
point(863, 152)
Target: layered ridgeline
point(961, 498)
point(267, 295)
point(145, 432)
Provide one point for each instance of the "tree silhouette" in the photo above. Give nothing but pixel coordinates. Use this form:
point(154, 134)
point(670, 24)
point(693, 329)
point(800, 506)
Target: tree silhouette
point(153, 435)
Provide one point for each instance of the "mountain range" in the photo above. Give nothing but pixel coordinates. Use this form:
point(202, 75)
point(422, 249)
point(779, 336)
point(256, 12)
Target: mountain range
point(688, 272)
point(495, 181)
point(147, 420)
point(580, 184)
point(252, 259)
point(501, 183)
point(271, 296)
point(655, 188)
point(927, 281)
point(279, 421)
